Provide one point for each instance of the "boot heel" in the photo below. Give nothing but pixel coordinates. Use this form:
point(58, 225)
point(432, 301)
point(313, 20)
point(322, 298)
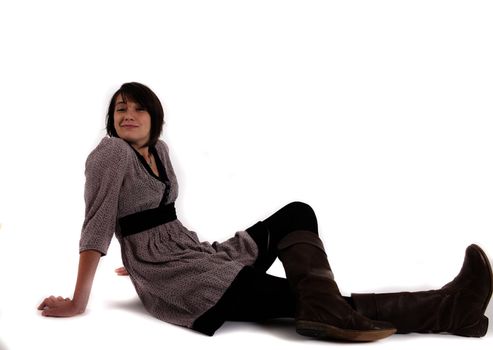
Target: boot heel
point(477, 330)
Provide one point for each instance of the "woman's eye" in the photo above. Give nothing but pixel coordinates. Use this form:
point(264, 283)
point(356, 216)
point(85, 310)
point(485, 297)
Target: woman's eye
point(120, 109)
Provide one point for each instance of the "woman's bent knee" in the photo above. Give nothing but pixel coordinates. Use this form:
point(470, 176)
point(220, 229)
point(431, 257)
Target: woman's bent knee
point(300, 207)
point(303, 213)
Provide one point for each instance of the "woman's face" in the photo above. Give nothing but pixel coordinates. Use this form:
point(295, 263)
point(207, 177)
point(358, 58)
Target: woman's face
point(132, 122)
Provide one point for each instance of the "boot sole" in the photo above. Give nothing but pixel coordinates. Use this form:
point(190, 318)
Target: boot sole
point(325, 331)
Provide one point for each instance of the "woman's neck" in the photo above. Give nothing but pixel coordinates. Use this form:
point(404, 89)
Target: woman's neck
point(143, 150)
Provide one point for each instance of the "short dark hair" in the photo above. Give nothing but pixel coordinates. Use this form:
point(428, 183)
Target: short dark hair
point(144, 96)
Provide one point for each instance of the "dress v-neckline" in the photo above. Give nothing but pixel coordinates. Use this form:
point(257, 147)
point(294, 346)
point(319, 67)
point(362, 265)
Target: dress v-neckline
point(160, 167)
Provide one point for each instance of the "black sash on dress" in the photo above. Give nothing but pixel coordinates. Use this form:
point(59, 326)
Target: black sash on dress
point(147, 219)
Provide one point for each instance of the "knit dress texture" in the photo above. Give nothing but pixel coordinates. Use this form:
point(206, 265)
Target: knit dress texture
point(177, 277)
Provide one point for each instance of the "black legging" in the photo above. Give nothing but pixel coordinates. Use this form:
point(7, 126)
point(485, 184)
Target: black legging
point(255, 295)
point(268, 233)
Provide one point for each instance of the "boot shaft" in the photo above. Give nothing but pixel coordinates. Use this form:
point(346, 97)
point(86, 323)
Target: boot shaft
point(303, 256)
point(320, 308)
point(457, 308)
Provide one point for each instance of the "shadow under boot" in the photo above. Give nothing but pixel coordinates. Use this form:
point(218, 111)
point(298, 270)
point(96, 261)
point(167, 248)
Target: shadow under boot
point(457, 308)
point(321, 311)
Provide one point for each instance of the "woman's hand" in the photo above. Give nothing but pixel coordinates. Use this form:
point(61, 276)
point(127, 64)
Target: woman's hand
point(59, 307)
point(121, 271)
point(66, 307)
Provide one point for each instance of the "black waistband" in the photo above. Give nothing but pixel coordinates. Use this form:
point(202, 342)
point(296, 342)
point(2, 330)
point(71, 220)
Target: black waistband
point(147, 219)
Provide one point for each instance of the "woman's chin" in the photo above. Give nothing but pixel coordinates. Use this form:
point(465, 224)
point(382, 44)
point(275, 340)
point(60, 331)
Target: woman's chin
point(136, 141)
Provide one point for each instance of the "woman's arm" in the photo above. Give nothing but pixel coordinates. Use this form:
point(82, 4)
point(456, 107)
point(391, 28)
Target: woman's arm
point(65, 307)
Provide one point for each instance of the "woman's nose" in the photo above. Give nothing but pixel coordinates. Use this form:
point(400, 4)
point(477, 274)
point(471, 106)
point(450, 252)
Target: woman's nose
point(128, 115)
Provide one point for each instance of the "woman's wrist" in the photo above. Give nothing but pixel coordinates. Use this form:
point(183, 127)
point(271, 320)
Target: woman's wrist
point(79, 306)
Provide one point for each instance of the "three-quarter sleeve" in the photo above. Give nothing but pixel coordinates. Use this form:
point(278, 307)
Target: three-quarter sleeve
point(105, 170)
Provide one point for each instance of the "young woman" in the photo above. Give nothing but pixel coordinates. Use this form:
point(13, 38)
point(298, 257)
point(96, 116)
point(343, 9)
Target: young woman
point(130, 191)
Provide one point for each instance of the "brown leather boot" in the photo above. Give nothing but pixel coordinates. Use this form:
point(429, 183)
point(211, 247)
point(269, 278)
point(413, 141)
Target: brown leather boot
point(321, 311)
point(457, 308)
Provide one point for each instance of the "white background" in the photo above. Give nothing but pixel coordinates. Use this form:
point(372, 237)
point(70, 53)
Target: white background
point(376, 113)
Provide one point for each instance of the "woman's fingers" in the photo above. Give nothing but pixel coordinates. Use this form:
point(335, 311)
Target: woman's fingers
point(42, 305)
point(121, 271)
point(58, 307)
point(45, 302)
point(53, 302)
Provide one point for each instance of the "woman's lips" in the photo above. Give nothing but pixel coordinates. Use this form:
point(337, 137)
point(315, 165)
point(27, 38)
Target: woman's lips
point(129, 126)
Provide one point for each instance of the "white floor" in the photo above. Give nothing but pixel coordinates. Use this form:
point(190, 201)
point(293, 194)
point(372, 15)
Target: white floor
point(376, 113)
point(116, 319)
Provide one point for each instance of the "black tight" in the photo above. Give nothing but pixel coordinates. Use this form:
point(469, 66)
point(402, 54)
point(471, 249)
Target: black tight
point(255, 295)
point(268, 233)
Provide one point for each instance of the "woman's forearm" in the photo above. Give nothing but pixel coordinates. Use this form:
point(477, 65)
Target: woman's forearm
point(88, 263)
point(65, 307)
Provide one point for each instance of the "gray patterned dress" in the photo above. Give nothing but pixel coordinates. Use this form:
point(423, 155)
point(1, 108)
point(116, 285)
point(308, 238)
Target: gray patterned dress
point(177, 277)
